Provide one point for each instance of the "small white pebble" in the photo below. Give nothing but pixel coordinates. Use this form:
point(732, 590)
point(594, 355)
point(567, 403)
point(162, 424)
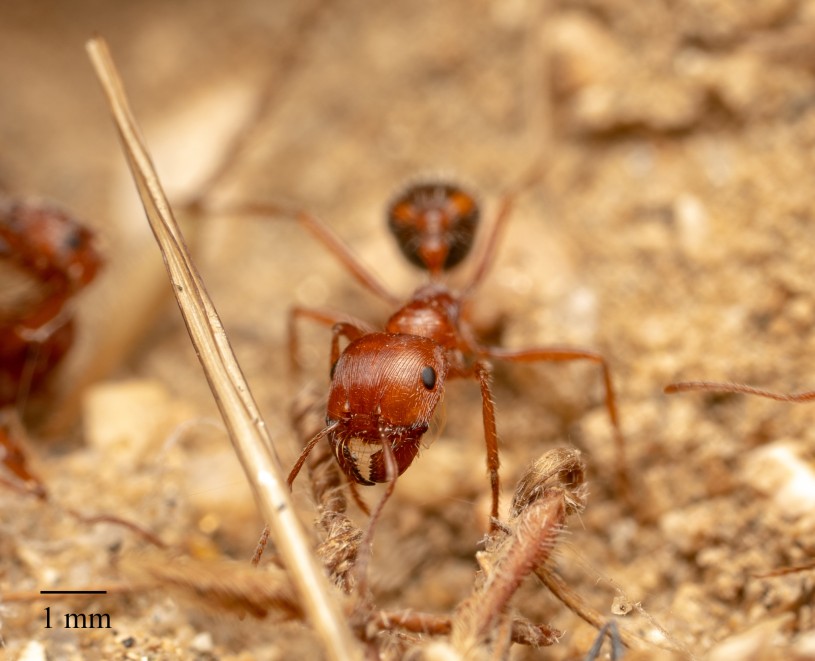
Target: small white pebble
point(33, 651)
point(804, 647)
point(124, 417)
point(750, 644)
point(692, 221)
point(439, 651)
point(202, 642)
point(778, 472)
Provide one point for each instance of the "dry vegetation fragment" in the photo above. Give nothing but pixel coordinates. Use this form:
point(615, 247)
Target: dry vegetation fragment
point(672, 231)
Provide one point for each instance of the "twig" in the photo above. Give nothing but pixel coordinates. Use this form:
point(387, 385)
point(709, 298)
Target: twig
point(246, 428)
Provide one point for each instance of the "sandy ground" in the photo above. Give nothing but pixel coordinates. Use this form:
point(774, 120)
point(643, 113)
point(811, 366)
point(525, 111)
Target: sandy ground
point(671, 231)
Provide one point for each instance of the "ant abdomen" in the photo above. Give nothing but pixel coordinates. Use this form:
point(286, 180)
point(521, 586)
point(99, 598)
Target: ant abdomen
point(434, 223)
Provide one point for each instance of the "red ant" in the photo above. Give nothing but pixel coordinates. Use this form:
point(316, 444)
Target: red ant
point(54, 258)
point(385, 385)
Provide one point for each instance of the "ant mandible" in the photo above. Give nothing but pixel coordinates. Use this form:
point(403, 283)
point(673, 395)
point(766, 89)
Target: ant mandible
point(54, 257)
point(385, 385)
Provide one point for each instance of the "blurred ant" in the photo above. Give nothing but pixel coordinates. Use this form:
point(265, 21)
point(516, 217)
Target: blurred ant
point(47, 258)
point(385, 385)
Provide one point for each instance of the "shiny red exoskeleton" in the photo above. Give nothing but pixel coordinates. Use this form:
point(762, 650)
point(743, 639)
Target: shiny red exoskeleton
point(46, 258)
point(385, 385)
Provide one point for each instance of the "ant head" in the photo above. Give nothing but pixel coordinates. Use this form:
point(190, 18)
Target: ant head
point(392, 378)
point(434, 223)
point(50, 241)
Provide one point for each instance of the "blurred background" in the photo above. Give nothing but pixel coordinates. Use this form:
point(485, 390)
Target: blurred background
point(670, 229)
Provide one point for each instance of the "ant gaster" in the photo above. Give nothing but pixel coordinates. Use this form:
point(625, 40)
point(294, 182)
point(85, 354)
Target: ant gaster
point(385, 385)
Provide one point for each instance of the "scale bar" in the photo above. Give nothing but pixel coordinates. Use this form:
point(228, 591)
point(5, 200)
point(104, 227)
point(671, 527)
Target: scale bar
point(73, 591)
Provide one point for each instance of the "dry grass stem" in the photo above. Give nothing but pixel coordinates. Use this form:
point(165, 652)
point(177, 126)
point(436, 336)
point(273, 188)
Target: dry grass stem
point(504, 569)
point(562, 471)
point(246, 428)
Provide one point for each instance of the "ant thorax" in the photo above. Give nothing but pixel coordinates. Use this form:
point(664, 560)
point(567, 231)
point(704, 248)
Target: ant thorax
point(433, 312)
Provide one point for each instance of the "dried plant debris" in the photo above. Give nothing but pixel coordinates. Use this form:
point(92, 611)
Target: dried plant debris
point(552, 489)
point(671, 231)
point(234, 588)
point(483, 625)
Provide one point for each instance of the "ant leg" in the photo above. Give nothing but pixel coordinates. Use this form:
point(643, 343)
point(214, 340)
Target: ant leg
point(322, 316)
point(505, 206)
point(347, 330)
point(483, 371)
point(711, 386)
point(283, 70)
point(354, 487)
point(325, 235)
point(364, 553)
point(307, 450)
point(264, 536)
point(609, 629)
point(13, 442)
point(561, 354)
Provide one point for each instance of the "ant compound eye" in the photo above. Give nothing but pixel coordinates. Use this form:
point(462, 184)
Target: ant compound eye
point(74, 240)
point(428, 377)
